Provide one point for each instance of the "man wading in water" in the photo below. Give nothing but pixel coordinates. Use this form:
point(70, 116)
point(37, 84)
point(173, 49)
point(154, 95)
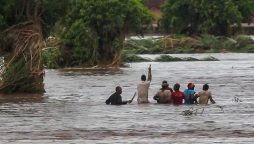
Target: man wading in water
point(163, 96)
point(143, 87)
point(205, 95)
point(116, 98)
point(189, 94)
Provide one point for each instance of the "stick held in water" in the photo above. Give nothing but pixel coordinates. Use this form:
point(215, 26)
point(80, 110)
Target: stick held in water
point(133, 97)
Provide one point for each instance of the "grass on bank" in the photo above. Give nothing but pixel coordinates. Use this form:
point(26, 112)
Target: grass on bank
point(183, 44)
point(175, 44)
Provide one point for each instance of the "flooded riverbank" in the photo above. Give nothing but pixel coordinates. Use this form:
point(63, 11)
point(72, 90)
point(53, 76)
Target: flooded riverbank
point(73, 110)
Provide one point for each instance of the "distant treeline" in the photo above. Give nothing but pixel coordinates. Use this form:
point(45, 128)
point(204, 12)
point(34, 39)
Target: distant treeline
point(89, 33)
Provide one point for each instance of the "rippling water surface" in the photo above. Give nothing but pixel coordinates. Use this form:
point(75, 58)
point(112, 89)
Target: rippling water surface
point(73, 110)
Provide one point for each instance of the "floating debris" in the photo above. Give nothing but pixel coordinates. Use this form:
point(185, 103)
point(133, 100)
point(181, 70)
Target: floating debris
point(194, 111)
point(236, 99)
point(187, 112)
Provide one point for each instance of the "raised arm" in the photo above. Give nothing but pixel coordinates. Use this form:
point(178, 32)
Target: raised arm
point(149, 73)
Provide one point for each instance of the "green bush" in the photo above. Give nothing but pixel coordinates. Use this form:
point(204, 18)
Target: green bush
point(143, 46)
point(243, 40)
point(82, 44)
point(228, 43)
point(1, 20)
point(52, 57)
point(248, 48)
point(211, 42)
point(96, 30)
point(217, 43)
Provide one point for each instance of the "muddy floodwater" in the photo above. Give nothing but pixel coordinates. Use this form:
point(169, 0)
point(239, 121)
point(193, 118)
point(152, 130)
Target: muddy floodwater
point(73, 108)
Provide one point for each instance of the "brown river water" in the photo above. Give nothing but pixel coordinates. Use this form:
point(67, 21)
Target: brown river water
point(73, 109)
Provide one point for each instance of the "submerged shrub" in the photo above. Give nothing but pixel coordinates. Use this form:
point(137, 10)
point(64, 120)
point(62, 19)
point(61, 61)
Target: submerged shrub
point(190, 59)
point(209, 58)
point(167, 58)
point(187, 112)
point(133, 58)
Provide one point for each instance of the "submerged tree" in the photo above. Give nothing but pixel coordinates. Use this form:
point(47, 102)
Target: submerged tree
point(95, 30)
point(22, 24)
point(205, 16)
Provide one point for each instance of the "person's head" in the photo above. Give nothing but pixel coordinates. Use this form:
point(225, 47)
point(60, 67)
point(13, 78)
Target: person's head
point(176, 87)
point(191, 86)
point(205, 87)
point(164, 84)
point(118, 90)
point(143, 77)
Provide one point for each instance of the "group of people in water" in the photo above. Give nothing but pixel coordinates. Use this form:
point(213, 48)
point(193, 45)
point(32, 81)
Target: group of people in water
point(165, 95)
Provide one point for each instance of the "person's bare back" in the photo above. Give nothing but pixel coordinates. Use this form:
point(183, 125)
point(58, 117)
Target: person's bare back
point(143, 87)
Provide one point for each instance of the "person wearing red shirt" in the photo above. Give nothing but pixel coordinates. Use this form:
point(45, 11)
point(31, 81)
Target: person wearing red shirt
point(177, 95)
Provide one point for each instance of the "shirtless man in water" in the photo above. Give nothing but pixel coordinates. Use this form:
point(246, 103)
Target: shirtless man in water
point(143, 87)
point(163, 96)
point(205, 95)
